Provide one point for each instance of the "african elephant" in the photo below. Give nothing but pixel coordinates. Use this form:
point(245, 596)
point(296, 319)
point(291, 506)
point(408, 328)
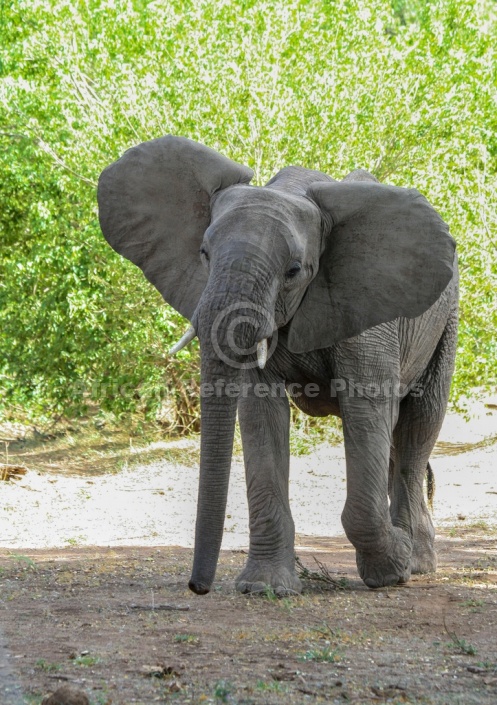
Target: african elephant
point(344, 293)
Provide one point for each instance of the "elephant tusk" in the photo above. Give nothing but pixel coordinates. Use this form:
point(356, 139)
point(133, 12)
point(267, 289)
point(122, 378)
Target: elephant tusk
point(183, 342)
point(262, 353)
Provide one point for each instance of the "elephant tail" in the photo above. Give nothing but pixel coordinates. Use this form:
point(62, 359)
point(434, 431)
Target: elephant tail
point(430, 485)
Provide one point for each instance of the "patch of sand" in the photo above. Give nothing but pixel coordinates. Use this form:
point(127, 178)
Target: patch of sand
point(155, 504)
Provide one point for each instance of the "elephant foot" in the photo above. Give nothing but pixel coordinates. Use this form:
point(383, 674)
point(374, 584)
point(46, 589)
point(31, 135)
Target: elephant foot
point(382, 568)
point(424, 558)
point(423, 561)
point(263, 576)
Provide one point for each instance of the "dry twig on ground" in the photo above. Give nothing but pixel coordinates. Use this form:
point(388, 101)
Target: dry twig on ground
point(322, 574)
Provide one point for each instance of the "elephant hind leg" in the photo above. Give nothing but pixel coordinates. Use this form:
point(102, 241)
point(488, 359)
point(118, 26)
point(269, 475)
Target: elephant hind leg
point(408, 508)
point(420, 418)
point(423, 559)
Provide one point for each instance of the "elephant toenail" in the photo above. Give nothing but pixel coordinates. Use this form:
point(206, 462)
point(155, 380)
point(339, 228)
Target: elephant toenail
point(371, 583)
point(385, 582)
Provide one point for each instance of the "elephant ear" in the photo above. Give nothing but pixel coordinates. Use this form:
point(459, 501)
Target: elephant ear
point(388, 254)
point(154, 207)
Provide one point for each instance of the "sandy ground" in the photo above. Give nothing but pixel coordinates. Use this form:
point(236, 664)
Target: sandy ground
point(155, 504)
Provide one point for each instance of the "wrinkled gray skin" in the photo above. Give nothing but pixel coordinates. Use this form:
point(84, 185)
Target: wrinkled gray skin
point(353, 281)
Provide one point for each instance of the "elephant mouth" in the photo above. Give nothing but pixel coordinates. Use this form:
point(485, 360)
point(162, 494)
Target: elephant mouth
point(242, 335)
point(190, 334)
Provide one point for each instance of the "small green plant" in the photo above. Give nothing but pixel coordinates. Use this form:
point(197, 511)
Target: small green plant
point(474, 605)
point(31, 699)
point(100, 699)
point(489, 665)
point(326, 654)
point(287, 604)
point(47, 666)
point(186, 638)
point(26, 560)
point(222, 690)
point(460, 644)
point(463, 646)
point(267, 592)
point(270, 594)
point(86, 660)
point(271, 686)
point(330, 652)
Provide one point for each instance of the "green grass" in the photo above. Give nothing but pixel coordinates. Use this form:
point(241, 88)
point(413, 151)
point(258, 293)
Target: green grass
point(26, 561)
point(222, 690)
point(271, 686)
point(86, 660)
point(325, 654)
point(46, 666)
point(186, 638)
point(474, 605)
point(463, 646)
point(458, 644)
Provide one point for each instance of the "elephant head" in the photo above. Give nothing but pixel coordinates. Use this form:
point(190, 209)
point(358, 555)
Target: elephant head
point(317, 260)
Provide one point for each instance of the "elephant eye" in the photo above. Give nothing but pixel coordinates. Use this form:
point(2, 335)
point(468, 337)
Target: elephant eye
point(204, 253)
point(294, 270)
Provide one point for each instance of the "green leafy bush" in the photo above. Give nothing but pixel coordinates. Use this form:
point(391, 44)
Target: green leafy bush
point(404, 89)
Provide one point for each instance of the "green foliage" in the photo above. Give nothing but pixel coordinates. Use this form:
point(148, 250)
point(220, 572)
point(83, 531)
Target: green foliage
point(405, 89)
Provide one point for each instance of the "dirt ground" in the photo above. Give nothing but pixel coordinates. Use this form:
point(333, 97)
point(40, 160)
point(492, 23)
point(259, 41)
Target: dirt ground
point(118, 622)
point(121, 625)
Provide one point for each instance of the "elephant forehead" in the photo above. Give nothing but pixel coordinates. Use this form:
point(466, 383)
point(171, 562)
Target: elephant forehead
point(254, 207)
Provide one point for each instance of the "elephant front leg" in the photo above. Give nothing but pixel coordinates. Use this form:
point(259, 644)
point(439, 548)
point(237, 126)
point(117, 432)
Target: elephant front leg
point(383, 551)
point(264, 417)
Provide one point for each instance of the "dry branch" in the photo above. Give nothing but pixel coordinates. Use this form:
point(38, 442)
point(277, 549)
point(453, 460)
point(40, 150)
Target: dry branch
point(11, 472)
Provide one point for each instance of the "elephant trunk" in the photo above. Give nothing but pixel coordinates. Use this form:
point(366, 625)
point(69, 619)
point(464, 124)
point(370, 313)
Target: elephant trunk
point(228, 335)
point(218, 415)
